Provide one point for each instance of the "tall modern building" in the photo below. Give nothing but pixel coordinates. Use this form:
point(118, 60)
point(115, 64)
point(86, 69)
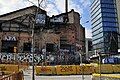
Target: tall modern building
point(118, 13)
point(104, 26)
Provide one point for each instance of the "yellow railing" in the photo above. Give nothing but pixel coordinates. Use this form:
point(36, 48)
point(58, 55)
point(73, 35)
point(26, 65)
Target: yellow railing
point(10, 68)
point(105, 77)
point(14, 76)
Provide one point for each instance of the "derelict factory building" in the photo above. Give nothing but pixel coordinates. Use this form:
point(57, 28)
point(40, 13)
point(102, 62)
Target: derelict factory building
point(50, 32)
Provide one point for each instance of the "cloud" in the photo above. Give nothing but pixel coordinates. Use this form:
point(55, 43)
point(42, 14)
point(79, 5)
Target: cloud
point(85, 3)
point(76, 7)
point(59, 6)
point(11, 5)
point(53, 7)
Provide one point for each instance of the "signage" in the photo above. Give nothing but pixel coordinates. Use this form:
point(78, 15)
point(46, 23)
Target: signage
point(66, 69)
point(57, 19)
point(10, 38)
point(41, 19)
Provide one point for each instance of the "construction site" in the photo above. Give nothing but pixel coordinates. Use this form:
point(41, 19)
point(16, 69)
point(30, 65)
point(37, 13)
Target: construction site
point(34, 45)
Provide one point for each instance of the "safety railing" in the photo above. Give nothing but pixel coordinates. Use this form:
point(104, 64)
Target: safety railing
point(105, 77)
point(14, 76)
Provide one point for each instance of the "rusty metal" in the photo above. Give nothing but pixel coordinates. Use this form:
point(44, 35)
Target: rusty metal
point(14, 76)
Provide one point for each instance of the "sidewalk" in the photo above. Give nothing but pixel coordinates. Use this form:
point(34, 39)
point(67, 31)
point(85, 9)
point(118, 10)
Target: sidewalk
point(28, 73)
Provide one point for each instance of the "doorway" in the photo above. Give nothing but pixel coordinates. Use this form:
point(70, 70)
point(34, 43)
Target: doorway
point(8, 46)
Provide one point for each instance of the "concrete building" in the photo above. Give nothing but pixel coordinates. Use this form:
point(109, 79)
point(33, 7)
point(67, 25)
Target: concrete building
point(118, 15)
point(104, 26)
point(88, 46)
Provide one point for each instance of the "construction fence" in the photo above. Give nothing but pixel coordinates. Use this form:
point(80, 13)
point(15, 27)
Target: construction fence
point(86, 69)
point(6, 69)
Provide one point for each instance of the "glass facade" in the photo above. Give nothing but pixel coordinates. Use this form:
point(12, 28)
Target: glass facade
point(104, 26)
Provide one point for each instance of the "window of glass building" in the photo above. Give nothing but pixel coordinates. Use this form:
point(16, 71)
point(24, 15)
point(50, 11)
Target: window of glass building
point(108, 1)
point(109, 15)
point(107, 5)
point(108, 10)
point(109, 19)
point(97, 31)
point(110, 24)
point(98, 41)
point(97, 36)
point(110, 29)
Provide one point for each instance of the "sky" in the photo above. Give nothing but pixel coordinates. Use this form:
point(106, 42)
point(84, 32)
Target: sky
point(53, 7)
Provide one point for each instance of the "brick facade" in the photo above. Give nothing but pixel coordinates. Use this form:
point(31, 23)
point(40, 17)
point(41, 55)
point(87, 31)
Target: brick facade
point(72, 32)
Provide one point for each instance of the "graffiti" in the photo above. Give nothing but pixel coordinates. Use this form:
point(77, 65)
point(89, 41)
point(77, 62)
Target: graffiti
point(66, 68)
point(21, 57)
point(8, 57)
point(53, 59)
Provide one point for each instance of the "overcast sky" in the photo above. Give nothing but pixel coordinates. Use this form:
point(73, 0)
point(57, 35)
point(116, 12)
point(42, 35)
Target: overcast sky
point(53, 7)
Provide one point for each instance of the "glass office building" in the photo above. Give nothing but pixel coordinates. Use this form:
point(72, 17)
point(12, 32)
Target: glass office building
point(104, 26)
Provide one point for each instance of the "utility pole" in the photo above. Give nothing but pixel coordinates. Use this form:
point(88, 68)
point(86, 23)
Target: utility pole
point(99, 65)
point(66, 6)
point(81, 63)
point(32, 49)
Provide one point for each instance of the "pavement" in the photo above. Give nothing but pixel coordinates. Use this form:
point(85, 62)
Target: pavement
point(28, 76)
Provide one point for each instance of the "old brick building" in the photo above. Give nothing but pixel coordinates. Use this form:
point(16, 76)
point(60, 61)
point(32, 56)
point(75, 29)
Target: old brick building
point(72, 34)
point(62, 31)
point(16, 27)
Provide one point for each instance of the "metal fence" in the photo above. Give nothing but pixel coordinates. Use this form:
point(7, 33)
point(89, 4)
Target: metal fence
point(14, 76)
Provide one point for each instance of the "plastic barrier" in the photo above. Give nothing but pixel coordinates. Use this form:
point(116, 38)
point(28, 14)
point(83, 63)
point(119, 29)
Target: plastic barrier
point(105, 77)
point(65, 69)
point(23, 66)
point(85, 69)
point(45, 70)
point(105, 68)
point(116, 68)
point(9, 68)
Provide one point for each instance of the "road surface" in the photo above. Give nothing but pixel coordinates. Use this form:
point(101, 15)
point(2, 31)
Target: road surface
point(28, 76)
